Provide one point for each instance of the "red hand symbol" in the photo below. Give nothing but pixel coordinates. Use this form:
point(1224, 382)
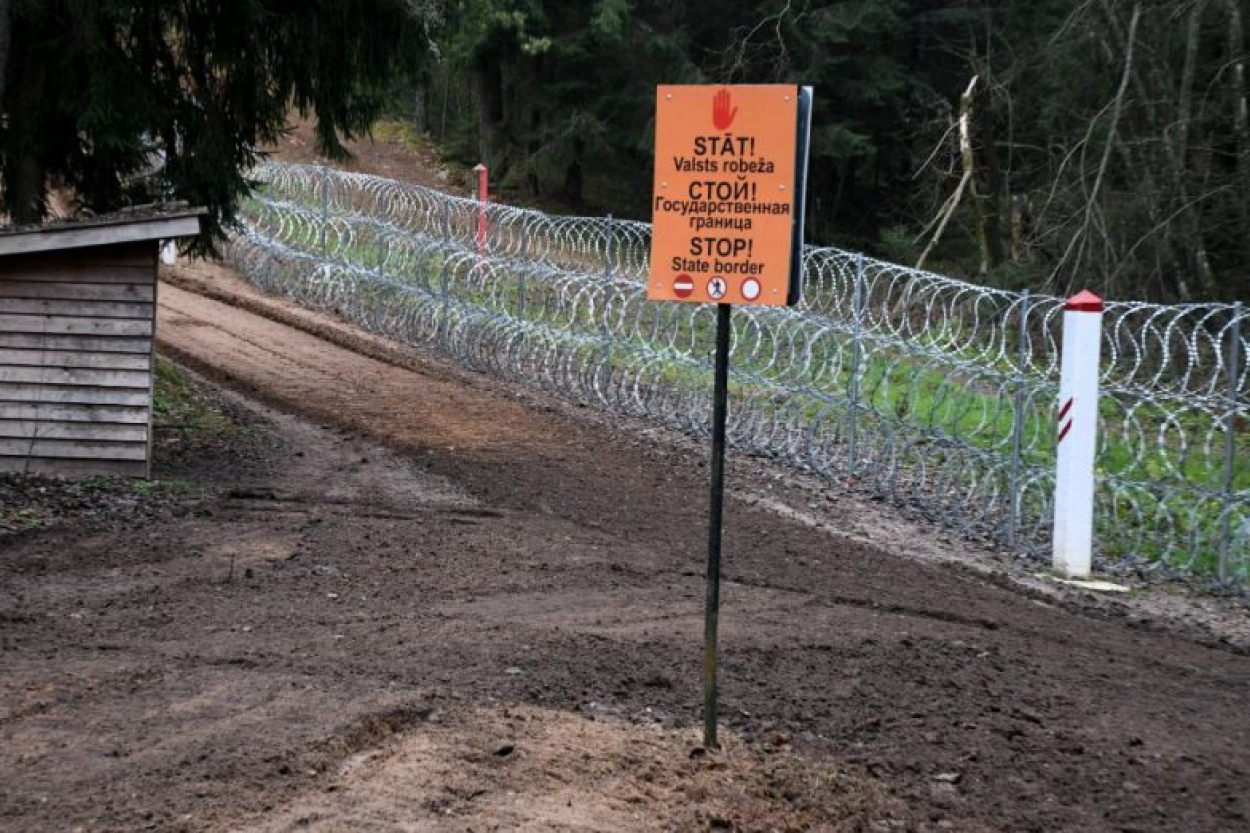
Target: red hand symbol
point(722, 116)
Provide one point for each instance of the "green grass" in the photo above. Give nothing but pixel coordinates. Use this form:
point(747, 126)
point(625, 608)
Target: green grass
point(176, 403)
point(399, 132)
point(168, 487)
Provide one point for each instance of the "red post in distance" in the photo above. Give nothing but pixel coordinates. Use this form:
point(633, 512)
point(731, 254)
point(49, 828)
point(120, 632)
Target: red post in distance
point(483, 197)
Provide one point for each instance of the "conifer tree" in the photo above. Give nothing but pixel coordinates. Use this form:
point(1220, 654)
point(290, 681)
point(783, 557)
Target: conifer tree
point(96, 92)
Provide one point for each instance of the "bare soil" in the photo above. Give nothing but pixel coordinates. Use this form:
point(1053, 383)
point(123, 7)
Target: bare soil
point(439, 602)
point(388, 152)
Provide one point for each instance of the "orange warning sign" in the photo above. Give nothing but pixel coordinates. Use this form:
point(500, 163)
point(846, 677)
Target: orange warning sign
point(723, 210)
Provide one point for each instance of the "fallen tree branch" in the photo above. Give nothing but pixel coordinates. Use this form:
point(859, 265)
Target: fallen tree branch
point(965, 148)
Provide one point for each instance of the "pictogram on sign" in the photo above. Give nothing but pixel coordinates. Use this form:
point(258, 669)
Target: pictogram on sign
point(751, 289)
point(716, 288)
point(723, 111)
point(683, 286)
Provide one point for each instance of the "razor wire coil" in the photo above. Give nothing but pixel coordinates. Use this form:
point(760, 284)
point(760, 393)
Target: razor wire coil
point(936, 393)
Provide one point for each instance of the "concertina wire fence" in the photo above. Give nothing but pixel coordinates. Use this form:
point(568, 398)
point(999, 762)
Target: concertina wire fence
point(934, 393)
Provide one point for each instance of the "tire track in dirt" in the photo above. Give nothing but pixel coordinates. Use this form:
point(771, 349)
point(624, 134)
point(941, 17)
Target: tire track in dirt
point(500, 447)
point(1050, 718)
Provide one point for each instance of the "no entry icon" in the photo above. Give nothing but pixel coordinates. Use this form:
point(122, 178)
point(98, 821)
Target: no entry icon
point(683, 285)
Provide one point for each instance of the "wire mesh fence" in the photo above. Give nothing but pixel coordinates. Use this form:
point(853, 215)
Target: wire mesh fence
point(935, 393)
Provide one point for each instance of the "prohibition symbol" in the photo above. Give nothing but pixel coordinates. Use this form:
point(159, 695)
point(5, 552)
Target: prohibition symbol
point(750, 289)
point(683, 286)
point(716, 288)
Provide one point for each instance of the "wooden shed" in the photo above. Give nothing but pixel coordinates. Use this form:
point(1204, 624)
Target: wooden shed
point(77, 328)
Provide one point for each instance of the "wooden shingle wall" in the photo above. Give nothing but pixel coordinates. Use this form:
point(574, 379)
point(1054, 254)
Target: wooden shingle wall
point(76, 334)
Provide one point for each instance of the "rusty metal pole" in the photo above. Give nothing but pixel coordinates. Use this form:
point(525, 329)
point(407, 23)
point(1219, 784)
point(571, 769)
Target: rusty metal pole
point(483, 197)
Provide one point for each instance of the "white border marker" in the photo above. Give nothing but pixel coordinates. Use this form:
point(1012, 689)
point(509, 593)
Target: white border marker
point(1077, 434)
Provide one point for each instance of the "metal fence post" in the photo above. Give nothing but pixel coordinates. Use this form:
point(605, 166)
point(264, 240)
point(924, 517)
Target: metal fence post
point(525, 254)
point(607, 303)
point(857, 311)
point(443, 328)
point(1230, 438)
point(325, 209)
point(272, 261)
point(607, 250)
point(1146, 343)
point(607, 278)
point(1017, 427)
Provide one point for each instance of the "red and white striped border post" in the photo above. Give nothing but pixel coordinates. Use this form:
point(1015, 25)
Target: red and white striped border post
point(1076, 434)
point(483, 197)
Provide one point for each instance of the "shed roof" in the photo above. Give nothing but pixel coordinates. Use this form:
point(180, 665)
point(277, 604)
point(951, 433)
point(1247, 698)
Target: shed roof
point(147, 223)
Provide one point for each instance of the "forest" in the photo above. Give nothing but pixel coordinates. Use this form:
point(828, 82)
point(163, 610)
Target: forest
point(1049, 144)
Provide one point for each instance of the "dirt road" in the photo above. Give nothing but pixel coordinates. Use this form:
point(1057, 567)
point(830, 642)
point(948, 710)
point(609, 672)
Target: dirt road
point(421, 635)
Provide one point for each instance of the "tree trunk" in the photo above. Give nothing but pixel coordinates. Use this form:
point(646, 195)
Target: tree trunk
point(490, 112)
point(420, 114)
point(29, 197)
point(1139, 162)
point(989, 213)
point(1079, 240)
point(843, 174)
point(480, 94)
point(1019, 220)
point(533, 146)
point(6, 30)
point(1241, 115)
point(1199, 261)
point(442, 130)
point(965, 148)
point(29, 201)
point(573, 175)
point(1241, 108)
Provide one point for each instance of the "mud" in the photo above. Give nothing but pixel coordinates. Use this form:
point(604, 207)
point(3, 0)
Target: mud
point(432, 544)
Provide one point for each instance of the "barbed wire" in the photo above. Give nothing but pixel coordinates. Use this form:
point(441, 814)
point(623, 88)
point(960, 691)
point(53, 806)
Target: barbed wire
point(933, 392)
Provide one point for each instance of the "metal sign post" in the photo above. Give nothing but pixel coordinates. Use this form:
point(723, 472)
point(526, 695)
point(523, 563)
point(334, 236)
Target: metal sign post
point(716, 508)
point(727, 228)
